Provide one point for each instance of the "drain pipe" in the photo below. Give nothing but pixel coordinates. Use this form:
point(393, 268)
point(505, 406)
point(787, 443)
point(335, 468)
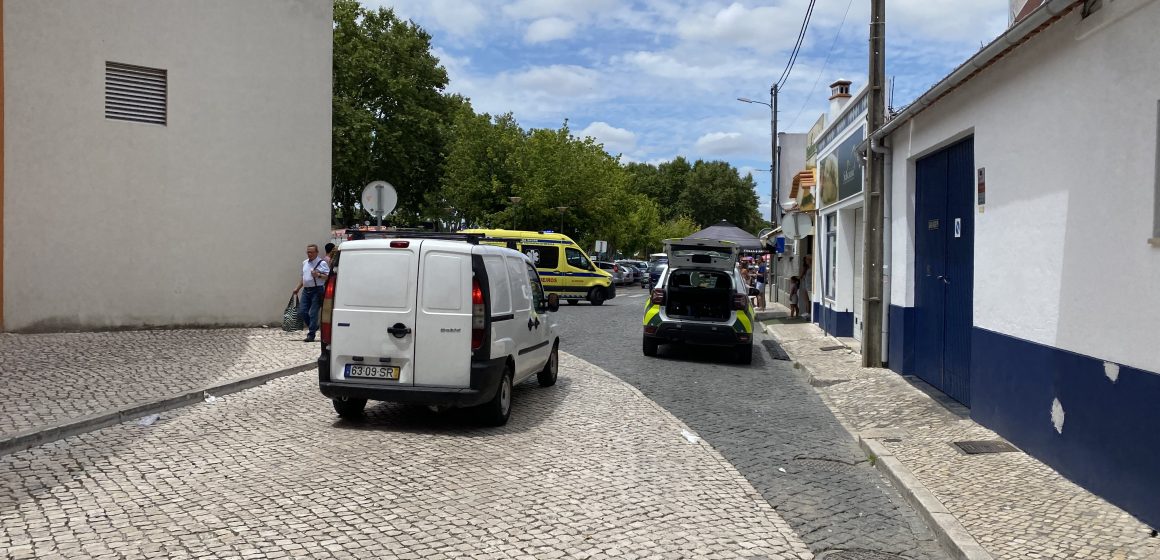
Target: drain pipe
point(887, 239)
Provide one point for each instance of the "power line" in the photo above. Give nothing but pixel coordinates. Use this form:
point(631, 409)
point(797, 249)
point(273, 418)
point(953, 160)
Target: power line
point(797, 46)
point(814, 87)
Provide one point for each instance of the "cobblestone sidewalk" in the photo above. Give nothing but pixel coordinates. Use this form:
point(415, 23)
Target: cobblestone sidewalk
point(588, 468)
point(45, 378)
point(1015, 506)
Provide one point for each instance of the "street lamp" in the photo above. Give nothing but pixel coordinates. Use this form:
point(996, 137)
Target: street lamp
point(775, 151)
point(562, 209)
point(515, 200)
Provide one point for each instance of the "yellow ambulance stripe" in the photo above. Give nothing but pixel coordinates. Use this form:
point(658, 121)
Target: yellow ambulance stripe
point(651, 312)
point(745, 322)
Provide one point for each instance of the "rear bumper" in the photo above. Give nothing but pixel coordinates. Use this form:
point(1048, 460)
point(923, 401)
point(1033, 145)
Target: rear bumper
point(706, 334)
point(485, 378)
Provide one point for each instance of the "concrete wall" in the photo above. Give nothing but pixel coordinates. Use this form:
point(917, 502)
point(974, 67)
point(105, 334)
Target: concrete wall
point(1066, 129)
point(201, 221)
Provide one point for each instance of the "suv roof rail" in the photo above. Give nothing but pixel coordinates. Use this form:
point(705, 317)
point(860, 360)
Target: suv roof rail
point(355, 234)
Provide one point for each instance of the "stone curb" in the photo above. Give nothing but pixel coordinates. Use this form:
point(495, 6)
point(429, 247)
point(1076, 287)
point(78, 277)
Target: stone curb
point(954, 537)
point(74, 426)
point(951, 534)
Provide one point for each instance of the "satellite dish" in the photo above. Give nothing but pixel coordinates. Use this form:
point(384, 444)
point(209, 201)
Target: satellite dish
point(797, 225)
point(379, 198)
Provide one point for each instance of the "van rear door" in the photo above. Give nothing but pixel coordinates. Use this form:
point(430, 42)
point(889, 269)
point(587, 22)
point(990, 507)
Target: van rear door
point(443, 320)
point(374, 315)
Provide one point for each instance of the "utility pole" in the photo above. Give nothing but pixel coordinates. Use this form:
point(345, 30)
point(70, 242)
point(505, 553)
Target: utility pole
point(873, 250)
point(775, 155)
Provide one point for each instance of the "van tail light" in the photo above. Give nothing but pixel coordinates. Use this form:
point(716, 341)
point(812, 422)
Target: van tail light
point(658, 296)
point(740, 301)
point(477, 315)
point(327, 310)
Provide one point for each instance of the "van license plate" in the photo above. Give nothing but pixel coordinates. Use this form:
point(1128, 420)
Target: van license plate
point(373, 372)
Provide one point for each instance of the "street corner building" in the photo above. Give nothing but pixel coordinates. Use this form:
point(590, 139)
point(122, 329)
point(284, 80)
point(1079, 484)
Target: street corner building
point(1024, 252)
point(164, 162)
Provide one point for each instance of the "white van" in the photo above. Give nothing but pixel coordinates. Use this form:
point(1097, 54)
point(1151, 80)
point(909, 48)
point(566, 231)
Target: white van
point(434, 319)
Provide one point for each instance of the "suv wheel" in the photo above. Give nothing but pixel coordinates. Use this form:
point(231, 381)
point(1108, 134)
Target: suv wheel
point(547, 376)
point(496, 411)
point(349, 408)
point(743, 354)
point(649, 347)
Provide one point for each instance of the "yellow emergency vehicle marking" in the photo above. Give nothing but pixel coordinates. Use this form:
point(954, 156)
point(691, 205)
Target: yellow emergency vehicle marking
point(651, 312)
point(745, 322)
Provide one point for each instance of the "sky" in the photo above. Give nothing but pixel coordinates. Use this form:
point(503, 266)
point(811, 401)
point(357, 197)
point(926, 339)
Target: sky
point(656, 79)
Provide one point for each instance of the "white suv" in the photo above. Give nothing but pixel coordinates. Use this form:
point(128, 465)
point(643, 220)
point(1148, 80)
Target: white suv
point(435, 319)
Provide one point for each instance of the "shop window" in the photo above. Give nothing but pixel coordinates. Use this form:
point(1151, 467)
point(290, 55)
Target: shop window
point(1155, 241)
point(831, 254)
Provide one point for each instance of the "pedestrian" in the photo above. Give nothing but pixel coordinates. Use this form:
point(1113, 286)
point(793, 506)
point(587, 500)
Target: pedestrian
point(759, 284)
point(311, 283)
point(794, 284)
point(329, 249)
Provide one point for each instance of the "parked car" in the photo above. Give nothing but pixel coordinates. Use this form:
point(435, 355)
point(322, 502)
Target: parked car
point(435, 319)
point(633, 268)
point(613, 269)
point(700, 299)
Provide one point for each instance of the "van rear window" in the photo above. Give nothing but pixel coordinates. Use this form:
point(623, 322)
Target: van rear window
point(543, 256)
point(376, 279)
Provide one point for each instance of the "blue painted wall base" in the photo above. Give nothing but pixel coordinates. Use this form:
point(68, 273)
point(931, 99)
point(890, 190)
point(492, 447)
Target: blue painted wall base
point(1109, 442)
point(900, 356)
point(837, 323)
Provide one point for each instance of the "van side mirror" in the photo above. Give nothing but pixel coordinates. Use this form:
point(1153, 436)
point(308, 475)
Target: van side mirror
point(553, 302)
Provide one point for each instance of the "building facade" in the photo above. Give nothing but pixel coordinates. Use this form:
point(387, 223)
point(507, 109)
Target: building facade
point(164, 161)
point(837, 301)
point(1024, 198)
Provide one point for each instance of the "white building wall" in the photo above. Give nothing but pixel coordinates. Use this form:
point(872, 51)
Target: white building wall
point(1066, 129)
point(203, 221)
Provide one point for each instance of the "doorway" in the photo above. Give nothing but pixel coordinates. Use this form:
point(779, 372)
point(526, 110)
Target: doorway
point(944, 241)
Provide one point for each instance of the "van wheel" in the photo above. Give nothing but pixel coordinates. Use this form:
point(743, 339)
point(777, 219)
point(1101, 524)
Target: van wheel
point(650, 347)
point(496, 411)
point(596, 297)
point(349, 408)
point(743, 354)
point(547, 376)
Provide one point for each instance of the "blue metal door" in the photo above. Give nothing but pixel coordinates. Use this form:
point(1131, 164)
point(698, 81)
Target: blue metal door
point(944, 265)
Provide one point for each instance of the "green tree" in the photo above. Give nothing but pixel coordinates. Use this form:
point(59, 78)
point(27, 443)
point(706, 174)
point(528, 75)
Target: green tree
point(389, 111)
point(480, 170)
point(714, 191)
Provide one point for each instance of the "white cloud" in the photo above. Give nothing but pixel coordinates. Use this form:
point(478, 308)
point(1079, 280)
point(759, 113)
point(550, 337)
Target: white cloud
point(765, 29)
point(574, 9)
point(723, 143)
point(549, 29)
point(615, 140)
point(559, 79)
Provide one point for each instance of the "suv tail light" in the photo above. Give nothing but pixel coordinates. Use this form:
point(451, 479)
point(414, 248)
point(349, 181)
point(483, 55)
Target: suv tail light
point(740, 301)
point(327, 310)
point(477, 315)
point(658, 296)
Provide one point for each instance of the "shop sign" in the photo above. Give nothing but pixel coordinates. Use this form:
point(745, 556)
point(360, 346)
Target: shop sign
point(841, 175)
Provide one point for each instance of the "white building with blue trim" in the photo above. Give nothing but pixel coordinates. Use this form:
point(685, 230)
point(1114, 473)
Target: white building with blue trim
point(1024, 246)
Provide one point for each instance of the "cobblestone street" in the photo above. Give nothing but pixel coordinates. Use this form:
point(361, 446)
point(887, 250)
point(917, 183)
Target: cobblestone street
point(53, 377)
point(770, 423)
point(586, 469)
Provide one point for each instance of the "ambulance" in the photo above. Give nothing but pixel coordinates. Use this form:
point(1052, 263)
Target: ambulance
point(564, 267)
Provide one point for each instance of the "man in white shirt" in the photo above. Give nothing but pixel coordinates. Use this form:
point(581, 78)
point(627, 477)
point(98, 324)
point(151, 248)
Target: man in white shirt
point(312, 282)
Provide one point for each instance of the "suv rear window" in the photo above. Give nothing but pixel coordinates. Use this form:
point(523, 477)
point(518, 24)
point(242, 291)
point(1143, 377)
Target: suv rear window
point(707, 279)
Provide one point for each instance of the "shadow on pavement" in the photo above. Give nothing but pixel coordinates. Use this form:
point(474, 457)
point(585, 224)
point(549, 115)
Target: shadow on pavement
point(531, 405)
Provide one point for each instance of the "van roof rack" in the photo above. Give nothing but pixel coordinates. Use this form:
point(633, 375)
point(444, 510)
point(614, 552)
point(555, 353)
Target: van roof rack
point(353, 234)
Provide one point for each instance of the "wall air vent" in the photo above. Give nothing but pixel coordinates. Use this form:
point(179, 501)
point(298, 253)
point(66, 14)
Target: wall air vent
point(135, 93)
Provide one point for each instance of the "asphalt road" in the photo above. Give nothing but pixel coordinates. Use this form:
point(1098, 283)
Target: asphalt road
point(768, 421)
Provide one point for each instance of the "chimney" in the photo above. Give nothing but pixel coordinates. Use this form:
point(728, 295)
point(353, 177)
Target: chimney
point(839, 97)
point(1020, 9)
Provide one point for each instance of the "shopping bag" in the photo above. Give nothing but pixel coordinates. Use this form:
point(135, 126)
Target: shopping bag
point(291, 321)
